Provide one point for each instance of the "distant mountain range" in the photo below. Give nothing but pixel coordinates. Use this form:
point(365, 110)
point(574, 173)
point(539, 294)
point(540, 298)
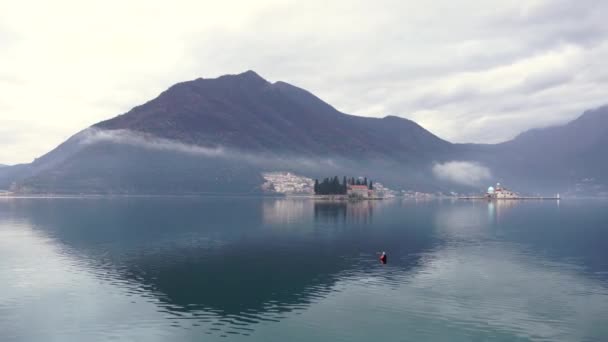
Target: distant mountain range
point(219, 135)
point(561, 158)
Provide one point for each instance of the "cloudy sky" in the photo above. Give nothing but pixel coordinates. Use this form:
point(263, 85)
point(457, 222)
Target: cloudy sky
point(469, 71)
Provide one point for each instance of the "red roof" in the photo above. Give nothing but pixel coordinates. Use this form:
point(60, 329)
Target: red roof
point(360, 187)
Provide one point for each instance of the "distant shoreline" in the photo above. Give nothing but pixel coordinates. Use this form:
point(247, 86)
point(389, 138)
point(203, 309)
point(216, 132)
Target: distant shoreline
point(7, 195)
point(332, 197)
point(93, 196)
point(136, 195)
point(511, 198)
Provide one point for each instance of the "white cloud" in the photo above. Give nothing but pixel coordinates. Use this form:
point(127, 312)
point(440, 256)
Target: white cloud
point(151, 142)
point(461, 69)
point(462, 172)
point(122, 136)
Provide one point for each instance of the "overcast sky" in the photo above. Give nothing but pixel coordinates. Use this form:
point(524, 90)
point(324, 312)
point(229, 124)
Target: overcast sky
point(469, 71)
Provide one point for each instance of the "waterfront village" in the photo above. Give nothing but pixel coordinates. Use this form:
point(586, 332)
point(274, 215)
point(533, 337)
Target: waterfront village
point(290, 184)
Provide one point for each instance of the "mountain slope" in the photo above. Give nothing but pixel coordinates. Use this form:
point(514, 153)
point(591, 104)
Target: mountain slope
point(562, 154)
point(247, 112)
point(572, 146)
point(550, 159)
point(219, 135)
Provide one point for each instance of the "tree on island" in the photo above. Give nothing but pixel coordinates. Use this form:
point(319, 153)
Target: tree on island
point(332, 186)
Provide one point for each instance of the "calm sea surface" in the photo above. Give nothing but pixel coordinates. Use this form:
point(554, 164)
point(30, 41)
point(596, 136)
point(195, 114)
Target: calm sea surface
point(251, 269)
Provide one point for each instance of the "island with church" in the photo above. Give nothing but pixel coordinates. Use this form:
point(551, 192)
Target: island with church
point(499, 192)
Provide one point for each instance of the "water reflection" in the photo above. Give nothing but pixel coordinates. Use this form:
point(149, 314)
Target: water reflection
point(345, 211)
point(286, 211)
point(50, 292)
point(500, 208)
point(272, 269)
point(224, 275)
point(296, 210)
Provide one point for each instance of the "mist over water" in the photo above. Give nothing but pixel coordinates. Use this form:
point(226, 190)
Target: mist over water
point(253, 269)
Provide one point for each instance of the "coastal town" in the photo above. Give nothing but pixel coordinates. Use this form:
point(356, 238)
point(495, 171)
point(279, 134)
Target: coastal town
point(290, 184)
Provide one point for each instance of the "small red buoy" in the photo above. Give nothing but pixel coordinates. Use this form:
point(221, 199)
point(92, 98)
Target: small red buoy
point(383, 258)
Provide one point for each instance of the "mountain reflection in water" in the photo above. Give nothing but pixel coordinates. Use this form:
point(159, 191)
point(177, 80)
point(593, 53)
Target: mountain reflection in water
point(181, 267)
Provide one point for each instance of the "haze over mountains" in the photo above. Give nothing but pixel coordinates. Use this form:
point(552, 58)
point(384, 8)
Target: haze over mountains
point(219, 135)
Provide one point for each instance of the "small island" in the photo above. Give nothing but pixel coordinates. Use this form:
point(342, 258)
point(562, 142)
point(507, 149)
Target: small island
point(502, 193)
point(350, 188)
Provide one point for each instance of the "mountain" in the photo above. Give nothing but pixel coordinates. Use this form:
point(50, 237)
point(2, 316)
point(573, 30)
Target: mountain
point(248, 113)
point(558, 158)
point(569, 153)
point(573, 147)
point(576, 148)
point(218, 136)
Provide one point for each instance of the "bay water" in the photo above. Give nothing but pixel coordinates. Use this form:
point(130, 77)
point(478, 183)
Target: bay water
point(296, 269)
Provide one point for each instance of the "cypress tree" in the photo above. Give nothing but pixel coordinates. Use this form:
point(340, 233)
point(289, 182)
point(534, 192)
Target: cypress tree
point(335, 186)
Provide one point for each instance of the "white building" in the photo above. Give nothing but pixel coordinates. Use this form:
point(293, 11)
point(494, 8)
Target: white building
point(500, 192)
point(359, 191)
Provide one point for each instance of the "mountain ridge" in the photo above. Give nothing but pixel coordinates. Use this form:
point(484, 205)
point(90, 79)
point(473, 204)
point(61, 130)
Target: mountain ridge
point(262, 126)
point(234, 110)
